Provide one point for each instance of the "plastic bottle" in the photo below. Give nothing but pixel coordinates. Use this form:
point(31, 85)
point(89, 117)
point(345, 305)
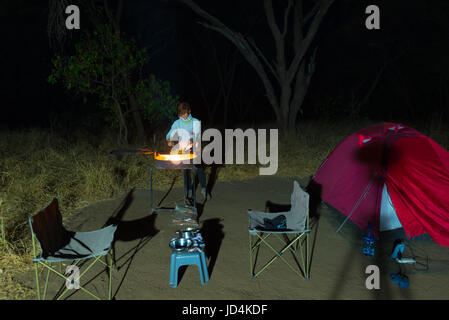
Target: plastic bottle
point(368, 242)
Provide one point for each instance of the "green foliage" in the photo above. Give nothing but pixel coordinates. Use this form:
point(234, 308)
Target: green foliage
point(103, 65)
point(99, 66)
point(156, 100)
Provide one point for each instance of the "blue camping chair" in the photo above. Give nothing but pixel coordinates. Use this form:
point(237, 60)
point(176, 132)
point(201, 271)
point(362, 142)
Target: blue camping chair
point(57, 245)
point(290, 227)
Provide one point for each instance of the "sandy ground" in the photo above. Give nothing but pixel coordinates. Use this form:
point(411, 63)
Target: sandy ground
point(337, 265)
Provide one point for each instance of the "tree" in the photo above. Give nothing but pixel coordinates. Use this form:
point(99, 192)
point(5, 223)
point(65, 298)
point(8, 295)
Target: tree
point(287, 80)
point(99, 13)
point(158, 105)
point(101, 63)
point(101, 66)
point(114, 20)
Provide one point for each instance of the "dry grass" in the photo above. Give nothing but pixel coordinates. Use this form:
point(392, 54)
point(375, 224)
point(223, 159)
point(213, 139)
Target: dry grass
point(37, 165)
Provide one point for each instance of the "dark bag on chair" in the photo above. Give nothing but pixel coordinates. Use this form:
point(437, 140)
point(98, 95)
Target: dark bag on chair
point(278, 223)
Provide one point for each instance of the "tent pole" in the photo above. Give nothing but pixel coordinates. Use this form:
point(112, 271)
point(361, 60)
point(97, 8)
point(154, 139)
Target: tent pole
point(362, 197)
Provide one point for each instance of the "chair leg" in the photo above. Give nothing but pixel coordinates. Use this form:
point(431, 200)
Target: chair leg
point(46, 284)
point(110, 263)
point(307, 248)
point(251, 272)
point(36, 267)
point(303, 262)
point(50, 268)
point(38, 291)
point(306, 257)
point(278, 255)
point(254, 245)
point(80, 276)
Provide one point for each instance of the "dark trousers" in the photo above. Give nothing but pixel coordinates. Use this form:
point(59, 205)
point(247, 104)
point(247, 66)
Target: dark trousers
point(188, 180)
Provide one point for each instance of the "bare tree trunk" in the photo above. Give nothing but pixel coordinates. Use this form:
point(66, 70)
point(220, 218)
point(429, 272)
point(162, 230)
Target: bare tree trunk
point(292, 78)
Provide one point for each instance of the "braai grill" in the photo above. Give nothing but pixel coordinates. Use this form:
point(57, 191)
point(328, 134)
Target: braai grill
point(172, 162)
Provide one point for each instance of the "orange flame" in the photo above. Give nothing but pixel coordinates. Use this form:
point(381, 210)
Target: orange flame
point(174, 157)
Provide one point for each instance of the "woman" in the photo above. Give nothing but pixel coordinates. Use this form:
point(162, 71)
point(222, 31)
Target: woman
point(188, 130)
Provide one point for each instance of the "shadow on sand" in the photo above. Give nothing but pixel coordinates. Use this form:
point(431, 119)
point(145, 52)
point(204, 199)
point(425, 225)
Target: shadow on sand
point(142, 229)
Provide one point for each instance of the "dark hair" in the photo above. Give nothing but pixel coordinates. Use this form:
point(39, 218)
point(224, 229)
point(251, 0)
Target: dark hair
point(183, 108)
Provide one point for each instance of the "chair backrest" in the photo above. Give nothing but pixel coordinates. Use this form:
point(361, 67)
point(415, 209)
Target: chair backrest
point(47, 226)
point(300, 208)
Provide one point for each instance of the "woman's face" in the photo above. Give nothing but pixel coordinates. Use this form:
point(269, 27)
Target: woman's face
point(184, 116)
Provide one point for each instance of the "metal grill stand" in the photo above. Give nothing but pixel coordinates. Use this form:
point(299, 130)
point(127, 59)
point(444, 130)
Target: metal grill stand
point(167, 165)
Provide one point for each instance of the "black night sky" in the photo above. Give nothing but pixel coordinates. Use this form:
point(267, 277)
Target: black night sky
point(411, 48)
point(84, 119)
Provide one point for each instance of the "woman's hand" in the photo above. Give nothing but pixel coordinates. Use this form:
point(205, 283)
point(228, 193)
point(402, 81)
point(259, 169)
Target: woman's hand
point(171, 143)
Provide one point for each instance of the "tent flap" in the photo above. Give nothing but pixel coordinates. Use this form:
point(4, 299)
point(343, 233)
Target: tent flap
point(408, 178)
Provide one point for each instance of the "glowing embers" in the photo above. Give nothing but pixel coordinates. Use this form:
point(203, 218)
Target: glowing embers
point(174, 157)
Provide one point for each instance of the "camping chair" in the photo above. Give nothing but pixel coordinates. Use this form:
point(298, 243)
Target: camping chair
point(398, 256)
point(291, 227)
point(59, 245)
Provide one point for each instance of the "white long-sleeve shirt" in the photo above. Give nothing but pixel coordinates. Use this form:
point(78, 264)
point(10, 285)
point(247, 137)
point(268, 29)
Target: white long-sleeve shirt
point(185, 130)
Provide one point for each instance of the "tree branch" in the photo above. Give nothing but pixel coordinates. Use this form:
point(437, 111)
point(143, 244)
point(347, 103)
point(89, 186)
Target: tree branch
point(297, 26)
point(311, 13)
point(242, 45)
point(299, 56)
point(286, 15)
point(264, 59)
point(303, 78)
point(268, 5)
point(278, 39)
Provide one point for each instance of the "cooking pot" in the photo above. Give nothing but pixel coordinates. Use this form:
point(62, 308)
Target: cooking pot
point(187, 233)
point(180, 244)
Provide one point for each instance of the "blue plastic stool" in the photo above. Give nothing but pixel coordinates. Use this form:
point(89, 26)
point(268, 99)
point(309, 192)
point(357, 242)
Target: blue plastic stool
point(179, 259)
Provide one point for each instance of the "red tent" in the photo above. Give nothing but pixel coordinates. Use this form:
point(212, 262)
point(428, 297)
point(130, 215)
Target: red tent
point(390, 176)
